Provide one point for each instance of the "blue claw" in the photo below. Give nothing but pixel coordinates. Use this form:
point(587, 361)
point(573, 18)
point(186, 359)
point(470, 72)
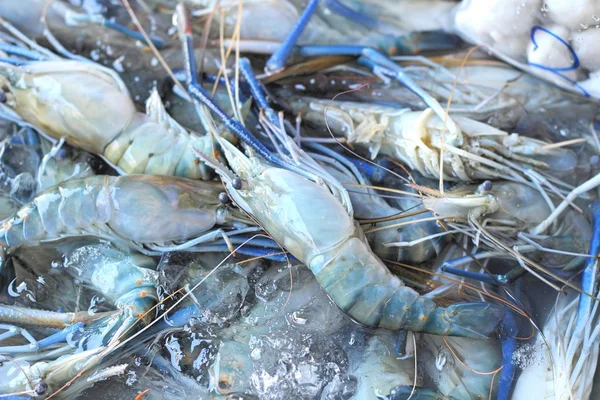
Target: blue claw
point(10, 61)
point(378, 62)
point(199, 94)
point(27, 138)
point(278, 60)
point(157, 42)
point(588, 278)
point(373, 170)
point(269, 254)
point(179, 318)
point(418, 42)
point(368, 56)
point(211, 78)
point(450, 267)
point(256, 90)
point(60, 337)
point(509, 343)
point(316, 50)
point(233, 125)
point(401, 343)
point(343, 10)
point(482, 277)
point(496, 280)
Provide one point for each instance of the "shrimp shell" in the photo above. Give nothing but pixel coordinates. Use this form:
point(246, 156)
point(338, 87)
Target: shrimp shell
point(135, 209)
point(92, 110)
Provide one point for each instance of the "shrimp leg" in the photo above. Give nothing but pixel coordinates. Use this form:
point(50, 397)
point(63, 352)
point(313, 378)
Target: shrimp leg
point(22, 52)
point(343, 10)
point(49, 319)
point(589, 281)
point(450, 266)
point(482, 277)
point(586, 186)
point(34, 345)
point(257, 93)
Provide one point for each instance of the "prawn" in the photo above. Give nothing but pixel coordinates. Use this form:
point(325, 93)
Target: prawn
point(313, 225)
point(91, 109)
point(127, 280)
point(485, 90)
point(499, 218)
point(416, 138)
point(135, 211)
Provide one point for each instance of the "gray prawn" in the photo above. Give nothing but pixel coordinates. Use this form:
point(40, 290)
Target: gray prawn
point(135, 211)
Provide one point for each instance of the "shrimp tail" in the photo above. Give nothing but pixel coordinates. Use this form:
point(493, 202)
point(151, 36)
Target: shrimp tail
point(361, 285)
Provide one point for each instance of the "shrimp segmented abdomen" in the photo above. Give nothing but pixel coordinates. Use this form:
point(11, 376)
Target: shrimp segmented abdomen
point(46, 215)
point(144, 209)
point(363, 287)
point(148, 147)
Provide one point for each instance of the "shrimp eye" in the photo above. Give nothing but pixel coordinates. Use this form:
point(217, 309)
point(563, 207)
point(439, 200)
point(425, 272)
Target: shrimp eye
point(223, 198)
point(2, 97)
point(237, 183)
point(41, 387)
point(487, 186)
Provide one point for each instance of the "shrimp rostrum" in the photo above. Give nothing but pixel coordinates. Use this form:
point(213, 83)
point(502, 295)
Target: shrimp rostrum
point(313, 225)
point(90, 108)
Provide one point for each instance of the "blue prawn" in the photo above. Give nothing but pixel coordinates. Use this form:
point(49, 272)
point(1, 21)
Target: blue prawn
point(41, 367)
point(314, 226)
